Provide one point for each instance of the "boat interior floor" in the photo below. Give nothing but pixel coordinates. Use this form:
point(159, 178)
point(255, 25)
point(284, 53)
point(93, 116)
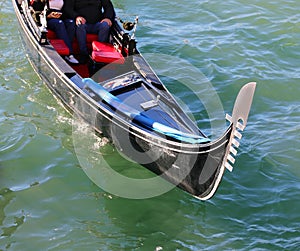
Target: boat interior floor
point(81, 69)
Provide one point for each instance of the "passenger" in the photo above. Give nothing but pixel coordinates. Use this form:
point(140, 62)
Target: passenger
point(91, 16)
point(63, 28)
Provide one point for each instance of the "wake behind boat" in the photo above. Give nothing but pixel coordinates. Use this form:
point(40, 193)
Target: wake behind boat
point(133, 106)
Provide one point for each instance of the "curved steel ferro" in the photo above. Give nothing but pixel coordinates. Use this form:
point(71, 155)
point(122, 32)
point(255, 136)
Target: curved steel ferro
point(238, 122)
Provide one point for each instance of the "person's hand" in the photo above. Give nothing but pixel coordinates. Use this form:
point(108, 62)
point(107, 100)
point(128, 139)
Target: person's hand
point(80, 20)
point(107, 20)
point(54, 14)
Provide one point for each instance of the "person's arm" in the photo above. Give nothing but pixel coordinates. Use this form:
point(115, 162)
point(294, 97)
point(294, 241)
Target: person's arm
point(68, 9)
point(109, 11)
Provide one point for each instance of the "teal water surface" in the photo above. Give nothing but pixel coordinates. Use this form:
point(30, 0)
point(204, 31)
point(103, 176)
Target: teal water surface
point(48, 203)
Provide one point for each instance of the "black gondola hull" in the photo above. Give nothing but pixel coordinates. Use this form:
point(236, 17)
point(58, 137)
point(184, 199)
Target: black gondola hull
point(196, 168)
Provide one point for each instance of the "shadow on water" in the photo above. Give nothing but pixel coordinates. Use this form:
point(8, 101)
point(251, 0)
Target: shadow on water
point(159, 223)
point(156, 223)
point(7, 229)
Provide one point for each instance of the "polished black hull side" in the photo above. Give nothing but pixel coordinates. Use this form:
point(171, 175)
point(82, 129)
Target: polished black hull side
point(195, 168)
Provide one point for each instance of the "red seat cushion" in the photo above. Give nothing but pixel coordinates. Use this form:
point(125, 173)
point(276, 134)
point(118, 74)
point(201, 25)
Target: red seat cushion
point(60, 46)
point(91, 37)
point(106, 53)
point(51, 34)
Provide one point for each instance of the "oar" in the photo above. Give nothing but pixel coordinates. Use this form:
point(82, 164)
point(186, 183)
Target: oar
point(142, 119)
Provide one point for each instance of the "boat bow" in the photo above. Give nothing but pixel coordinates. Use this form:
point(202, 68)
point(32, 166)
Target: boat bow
point(238, 122)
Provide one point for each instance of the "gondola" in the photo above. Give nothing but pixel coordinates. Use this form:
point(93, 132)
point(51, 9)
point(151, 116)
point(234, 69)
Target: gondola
point(132, 105)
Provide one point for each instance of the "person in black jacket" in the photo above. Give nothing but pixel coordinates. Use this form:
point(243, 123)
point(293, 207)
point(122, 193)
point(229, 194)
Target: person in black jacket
point(91, 16)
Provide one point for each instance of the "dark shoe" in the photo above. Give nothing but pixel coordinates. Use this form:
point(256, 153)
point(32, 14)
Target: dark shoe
point(83, 58)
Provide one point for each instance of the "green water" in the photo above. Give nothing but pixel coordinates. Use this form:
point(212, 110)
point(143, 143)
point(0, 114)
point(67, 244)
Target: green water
point(48, 203)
